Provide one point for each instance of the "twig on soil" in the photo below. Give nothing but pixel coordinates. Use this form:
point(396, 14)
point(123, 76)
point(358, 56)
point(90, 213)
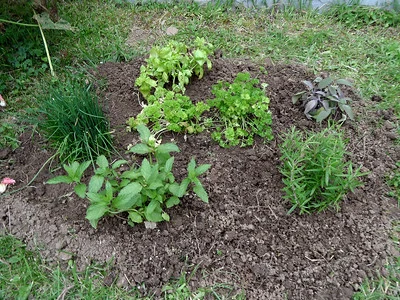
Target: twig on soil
point(64, 292)
point(276, 217)
point(314, 259)
point(373, 261)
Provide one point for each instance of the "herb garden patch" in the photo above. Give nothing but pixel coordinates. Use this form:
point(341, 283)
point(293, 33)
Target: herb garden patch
point(244, 235)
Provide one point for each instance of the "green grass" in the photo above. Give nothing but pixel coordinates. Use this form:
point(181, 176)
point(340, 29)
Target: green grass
point(384, 285)
point(24, 274)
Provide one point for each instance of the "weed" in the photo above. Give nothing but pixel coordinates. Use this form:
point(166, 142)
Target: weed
point(315, 174)
point(243, 112)
point(71, 119)
point(324, 99)
point(144, 192)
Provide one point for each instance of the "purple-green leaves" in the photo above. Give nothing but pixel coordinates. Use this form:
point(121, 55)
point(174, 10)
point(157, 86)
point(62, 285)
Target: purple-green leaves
point(324, 98)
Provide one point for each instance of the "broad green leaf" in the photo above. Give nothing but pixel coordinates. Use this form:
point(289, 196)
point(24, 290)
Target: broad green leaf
point(202, 169)
point(119, 163)
point(191, 169)
point(172, 201)
point(45, 21)
point(144, 133)
point(168, 164)
point(124, 202)
point(183, 187)
point(324, 83)
point(165, 216)
point(135, 217)
point(322, 115)
point(297, 97)
point(95, 183)
point(153, 205)
point(344, 82)
point(80, 190)
point(167, 148)
point(60, 179)
point(155, 185)
point(201, 192)
point(131, 174)
point(348, 111)
point(109, 191)
point(71, 169)
point(102, 162)
point(175, 190)
point(140, 149)
point(96, 198)
point(95, 212)
point(146, 169)
point(131, 189)
point(81, 169)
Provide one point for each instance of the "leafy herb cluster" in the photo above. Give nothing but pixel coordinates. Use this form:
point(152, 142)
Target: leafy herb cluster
point(314, 171)
point(243, 112)
point(172, 66)
point(170, 110)
point(324, 98)
point(144, 191)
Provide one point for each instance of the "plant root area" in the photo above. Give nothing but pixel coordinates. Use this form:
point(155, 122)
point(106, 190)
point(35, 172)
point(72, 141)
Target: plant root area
point(244, 236)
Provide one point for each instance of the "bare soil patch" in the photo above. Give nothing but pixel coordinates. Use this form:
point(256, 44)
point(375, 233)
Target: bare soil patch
point(243, 236)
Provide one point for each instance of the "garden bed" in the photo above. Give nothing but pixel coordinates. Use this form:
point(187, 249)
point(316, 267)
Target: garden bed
point(244, 236)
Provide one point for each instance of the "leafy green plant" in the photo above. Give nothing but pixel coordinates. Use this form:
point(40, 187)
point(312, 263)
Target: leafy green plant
point(324, 98)
point(314, 170)
point(144, 191)
point(243, 112)
point(394, 182)
point(170, 110)
point(72, 120)
point(174, 64)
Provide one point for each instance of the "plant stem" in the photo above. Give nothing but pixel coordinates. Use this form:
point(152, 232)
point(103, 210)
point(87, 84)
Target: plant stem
point(46, 48)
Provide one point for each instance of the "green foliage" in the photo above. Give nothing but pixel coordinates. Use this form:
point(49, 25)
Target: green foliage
point(174, 64)
point(394, 182)
point(25, 275)
point(314, 170)
point(142, 191)
point(324, 98)
point(8, 134)
point(383, 285)
point(72, 120)
point(359, 16)
point(243, 112)
point(170, 110)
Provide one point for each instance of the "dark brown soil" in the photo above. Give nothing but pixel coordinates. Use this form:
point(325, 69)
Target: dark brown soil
point(243, 236)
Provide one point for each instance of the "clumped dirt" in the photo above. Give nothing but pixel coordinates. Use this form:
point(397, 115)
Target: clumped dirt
point(243, 236)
